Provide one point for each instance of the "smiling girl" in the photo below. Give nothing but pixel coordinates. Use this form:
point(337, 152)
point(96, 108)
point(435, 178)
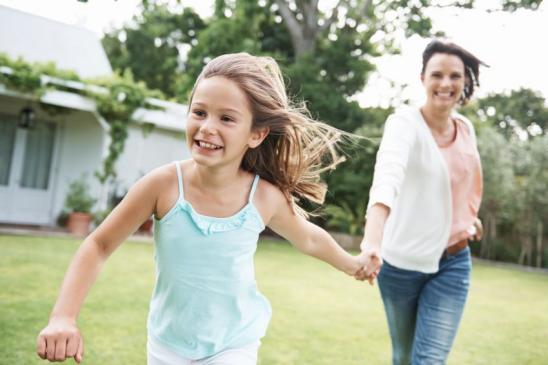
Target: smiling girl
point(253, 156)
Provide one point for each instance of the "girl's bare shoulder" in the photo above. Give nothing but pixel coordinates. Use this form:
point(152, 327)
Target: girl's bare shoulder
point(268, 199)
point(161, 176)
point(162, 182)
point(268, 191)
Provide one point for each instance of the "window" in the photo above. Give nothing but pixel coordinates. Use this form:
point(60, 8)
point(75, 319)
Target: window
point(38, 156)
point(8, 126)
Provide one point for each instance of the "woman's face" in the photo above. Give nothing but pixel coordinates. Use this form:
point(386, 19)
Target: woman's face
point(443, 80)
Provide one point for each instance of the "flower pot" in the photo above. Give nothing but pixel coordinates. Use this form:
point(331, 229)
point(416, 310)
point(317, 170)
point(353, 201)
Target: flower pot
point(78, 223)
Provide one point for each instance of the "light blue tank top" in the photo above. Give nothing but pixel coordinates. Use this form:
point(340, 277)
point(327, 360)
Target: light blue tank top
point(206, 298)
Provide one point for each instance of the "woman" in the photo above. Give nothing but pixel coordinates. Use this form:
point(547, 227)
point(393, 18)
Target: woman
point(423, 210)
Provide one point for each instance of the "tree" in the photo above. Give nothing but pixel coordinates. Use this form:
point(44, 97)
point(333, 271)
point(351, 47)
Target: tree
point(349, 185)
point(520, 114)
point(499, 185)
point(538, 191)
point(326, 56)
point(531, 198)
point(153, 47)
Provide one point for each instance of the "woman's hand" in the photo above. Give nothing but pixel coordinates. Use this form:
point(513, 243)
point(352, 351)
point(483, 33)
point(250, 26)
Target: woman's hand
point(372, 262)
point(60, 340)
point(478, 230)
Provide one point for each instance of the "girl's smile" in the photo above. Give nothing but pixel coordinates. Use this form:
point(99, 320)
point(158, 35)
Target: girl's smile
point(207, 145)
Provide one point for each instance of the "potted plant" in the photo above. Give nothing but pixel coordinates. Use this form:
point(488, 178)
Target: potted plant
point(78, 204)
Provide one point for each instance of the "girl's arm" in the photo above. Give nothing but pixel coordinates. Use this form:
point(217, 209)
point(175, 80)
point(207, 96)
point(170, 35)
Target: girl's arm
point(308, 237)
point(61, 339)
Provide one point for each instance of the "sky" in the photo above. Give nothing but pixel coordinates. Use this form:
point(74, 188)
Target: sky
point(505, 41)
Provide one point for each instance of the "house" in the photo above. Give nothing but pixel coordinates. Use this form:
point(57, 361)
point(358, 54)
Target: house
point(39, 160)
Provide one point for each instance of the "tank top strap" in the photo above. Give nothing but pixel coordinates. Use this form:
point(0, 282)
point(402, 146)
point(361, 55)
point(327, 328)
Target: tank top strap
point(253, 188)
point(180, 180)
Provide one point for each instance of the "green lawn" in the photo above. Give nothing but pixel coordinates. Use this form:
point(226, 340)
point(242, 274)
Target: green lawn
point(320, 315)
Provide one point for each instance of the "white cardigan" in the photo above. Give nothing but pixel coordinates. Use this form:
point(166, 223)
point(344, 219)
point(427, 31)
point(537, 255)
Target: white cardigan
point(412, 179)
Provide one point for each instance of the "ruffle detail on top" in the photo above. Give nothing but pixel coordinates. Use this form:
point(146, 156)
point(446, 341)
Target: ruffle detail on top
point(248, 217)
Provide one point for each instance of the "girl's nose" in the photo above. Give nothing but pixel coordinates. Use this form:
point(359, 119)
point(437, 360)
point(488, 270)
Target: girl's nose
point(208, 126)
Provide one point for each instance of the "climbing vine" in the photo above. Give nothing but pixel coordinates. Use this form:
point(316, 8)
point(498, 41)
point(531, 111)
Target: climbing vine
point(117, 99)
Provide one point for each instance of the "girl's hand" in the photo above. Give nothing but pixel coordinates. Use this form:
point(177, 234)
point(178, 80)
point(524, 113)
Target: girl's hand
point(355, 265)
point(372, 262)
point(60, 340)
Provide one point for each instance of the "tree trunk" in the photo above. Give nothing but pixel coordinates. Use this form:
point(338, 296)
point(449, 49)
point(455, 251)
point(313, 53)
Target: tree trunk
point(303, 33)
point(485, 238)
point(526, 249)
point(540, 251)
point(493, 236)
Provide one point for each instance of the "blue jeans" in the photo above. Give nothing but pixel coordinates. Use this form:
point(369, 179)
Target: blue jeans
point(424, 310)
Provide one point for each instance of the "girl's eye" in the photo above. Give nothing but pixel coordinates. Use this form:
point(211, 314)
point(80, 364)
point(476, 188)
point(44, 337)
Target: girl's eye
point(226, 118)
point(198, 113)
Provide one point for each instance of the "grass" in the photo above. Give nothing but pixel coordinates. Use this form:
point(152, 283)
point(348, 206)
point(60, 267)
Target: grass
point(320, 316)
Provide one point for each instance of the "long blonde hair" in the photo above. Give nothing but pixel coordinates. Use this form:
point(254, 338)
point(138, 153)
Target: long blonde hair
point(298, 148)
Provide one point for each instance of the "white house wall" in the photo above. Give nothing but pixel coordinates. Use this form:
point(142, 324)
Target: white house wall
point(81, 149)
point(144, 153)
point(38, 39)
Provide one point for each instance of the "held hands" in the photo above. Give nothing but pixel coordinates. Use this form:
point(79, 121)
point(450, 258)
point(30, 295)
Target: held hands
point(371, 263)
point(60, 340)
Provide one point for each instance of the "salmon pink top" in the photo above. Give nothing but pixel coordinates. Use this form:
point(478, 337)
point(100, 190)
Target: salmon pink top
point(464, 167)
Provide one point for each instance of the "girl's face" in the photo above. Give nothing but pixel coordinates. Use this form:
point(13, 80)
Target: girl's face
point(443, 80)
point(219, 123)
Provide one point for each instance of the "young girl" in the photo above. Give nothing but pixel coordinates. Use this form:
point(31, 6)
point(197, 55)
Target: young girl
point(253, 157)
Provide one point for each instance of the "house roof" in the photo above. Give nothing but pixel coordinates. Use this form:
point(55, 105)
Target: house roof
point(37, 39)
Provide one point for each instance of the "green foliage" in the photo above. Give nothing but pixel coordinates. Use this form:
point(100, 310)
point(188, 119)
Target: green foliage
point(498, 173)
point(26, 77)
point(349, 184)
point(78, 198)
point(513, 146)
point(327, 72)
point(239, 33)
point(344, 218)
point(513, 5)
point(117, 106)
point(23, 77)
point(521, 112)
point(151, 47)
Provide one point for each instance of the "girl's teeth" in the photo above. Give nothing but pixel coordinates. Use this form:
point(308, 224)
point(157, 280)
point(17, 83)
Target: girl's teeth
point(208, 145)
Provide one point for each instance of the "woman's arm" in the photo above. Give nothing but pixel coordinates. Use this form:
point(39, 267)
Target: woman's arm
point(371, 243)
point(390, 168)
point(61, 339)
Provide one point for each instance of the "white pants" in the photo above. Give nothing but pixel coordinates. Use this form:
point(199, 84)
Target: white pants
point(158, 354)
